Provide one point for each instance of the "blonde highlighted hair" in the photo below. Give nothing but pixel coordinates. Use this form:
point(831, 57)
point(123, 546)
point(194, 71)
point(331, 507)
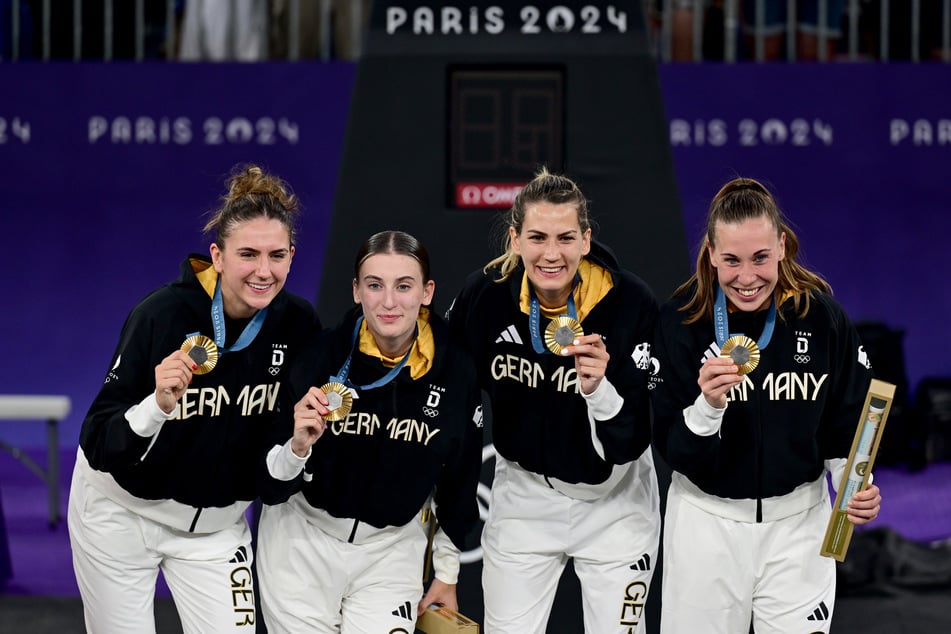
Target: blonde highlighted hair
point(544, 187)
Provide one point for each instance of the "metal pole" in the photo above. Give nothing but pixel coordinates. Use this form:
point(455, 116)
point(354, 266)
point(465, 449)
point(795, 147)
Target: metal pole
point(293, 30)
point(77, 29)
point(823, 30)
point(46, 30)
point(915, 30)
point(792, 30)
point(356, 28)
point(946, 31)
point(52, 470)
point(729, 31)
point(139, 30)
point(264, 17)
point(107, 31)
point(884, 34)
point(170, 26)
point(15, 32)
point(666, 30)
point(697, 30)
point(853, 30)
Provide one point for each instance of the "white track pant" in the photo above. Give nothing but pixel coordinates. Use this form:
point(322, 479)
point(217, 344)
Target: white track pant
point(117, 555)
point(531, 532)
point(719, 573)
point(312, 581)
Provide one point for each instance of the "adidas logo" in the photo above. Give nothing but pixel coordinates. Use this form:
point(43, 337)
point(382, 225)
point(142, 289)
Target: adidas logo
point(510, 335)
point(405, 611)
point(821, 613)
point(644, 563)
point(712, 352)
point(240, 556)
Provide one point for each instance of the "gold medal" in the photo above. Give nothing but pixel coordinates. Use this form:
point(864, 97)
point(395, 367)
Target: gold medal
point(561, 333)
point(743, 351)
point(339, 400)
point(202, 351)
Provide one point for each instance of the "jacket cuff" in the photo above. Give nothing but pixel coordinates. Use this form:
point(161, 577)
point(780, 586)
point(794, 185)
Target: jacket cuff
point(702, 418)
point(605, 402)
point(445, 558)
point(147, 418)
point(836, 469)
point(283, 464)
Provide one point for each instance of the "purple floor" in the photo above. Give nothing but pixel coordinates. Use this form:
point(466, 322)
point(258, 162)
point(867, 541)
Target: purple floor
point(916, 505)
point(40, 555)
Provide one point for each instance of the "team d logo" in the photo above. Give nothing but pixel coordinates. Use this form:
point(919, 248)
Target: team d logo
point(277, 360)
point(802, 354)
point(430, 409)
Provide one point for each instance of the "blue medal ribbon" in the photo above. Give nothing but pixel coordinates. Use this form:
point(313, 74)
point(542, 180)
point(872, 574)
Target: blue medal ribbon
point(341, 376)
point(218, 322)
point(535, 315)
point(721, 322)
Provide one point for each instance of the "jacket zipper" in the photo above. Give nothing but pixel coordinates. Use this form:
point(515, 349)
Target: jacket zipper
point(759, 461)
point(191, 529)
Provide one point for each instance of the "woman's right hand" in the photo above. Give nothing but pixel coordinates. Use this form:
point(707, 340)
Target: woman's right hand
point(309, 421)
point(172, 377)
point(717, 377)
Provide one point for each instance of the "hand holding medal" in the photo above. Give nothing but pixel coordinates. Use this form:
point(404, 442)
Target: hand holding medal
point(717, 376)
point(310, 420)
point(591, 360)
point(172, 377)
point(742, 350)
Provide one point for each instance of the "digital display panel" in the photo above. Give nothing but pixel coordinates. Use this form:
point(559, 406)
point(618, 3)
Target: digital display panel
point(504, 123)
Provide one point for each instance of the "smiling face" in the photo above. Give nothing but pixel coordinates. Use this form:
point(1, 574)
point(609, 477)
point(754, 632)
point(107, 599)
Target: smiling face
point(253, 264)
point(746, 256)
point(551, 245)
point(391, 289)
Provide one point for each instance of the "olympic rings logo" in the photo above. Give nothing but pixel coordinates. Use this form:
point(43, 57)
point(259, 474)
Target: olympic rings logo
point(802, 358)
point(431, 412)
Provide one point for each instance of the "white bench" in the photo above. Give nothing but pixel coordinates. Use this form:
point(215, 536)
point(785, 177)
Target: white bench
point(52, 409)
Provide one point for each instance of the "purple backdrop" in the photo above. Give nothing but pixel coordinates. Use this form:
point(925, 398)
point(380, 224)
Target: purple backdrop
point(105, 170)
point(107, 194)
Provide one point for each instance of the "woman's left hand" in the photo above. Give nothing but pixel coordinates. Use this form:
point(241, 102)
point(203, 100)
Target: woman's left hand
point(440, 593)
point(591, 360)
point(865, 505)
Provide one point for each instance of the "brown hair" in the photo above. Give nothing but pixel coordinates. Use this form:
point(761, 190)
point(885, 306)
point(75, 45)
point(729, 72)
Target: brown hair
point(739, 200)
point(251, 194)
point(398, 242)
point(545, 187)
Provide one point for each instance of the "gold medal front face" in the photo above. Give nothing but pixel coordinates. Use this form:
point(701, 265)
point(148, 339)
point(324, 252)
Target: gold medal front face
point(202, 351)
point(339, 400)
point(561, 332)
point(743, 351)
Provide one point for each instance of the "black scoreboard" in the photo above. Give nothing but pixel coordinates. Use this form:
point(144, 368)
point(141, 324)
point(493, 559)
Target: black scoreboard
point(503, 123)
